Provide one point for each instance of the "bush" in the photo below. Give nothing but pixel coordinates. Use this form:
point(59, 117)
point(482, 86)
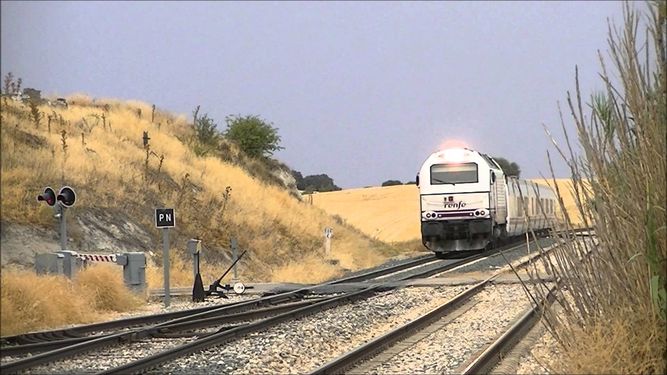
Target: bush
point(318, 182)
point(253, 135)
point(510, 168)
point(392, 183)
point(96, 290)
point(206, 135)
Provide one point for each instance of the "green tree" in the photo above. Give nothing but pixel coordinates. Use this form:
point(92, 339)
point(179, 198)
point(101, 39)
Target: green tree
point(207, 136)
point(510, 168)
point(392, 183)
point(317, 182)
point(255, 136)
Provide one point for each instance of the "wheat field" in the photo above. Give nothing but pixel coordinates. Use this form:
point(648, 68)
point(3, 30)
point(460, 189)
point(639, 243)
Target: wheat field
point(391, 213)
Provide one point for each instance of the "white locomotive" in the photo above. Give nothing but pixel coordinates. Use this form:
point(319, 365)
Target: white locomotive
point(467, 202)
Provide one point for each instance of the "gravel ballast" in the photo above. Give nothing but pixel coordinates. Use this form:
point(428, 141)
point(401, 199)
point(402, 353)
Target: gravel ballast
point(305, 344)
point(492, 311)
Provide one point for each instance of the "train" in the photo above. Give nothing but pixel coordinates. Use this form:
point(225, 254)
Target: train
point(468, 203)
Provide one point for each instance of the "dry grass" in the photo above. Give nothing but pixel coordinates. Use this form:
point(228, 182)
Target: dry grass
point(622, 345)
point(616, 318)
point(108, 169)
point(30, 302)
point(310, 269)
point(391, 214)
point(568, 195)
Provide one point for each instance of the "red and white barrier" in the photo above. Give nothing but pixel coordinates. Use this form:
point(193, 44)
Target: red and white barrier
point(98, 257)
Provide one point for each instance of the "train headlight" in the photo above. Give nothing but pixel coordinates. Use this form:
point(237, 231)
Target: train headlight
point(431, 215)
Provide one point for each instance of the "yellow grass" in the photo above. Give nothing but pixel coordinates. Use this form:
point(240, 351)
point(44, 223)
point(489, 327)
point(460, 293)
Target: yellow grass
point(391, 213)
point(30, 302)
point(568, 195)
point(107, 170)
point(621, 345)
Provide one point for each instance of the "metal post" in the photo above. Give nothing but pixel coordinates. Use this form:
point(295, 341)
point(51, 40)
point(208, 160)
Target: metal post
point(63, 227)
point(327, 245)
point(235, 257)
point(196, 264)
point(165, 264)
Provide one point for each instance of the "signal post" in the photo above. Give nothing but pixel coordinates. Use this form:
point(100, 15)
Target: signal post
point(64, 199)
point(164, 219)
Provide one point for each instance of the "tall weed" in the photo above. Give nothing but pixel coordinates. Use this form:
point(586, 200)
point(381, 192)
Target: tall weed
point(613, 289)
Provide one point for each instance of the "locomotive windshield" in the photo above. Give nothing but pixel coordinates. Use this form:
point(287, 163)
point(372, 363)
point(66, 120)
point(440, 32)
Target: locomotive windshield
point(453, 173)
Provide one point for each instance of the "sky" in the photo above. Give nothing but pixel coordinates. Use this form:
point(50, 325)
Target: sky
point(361, 91)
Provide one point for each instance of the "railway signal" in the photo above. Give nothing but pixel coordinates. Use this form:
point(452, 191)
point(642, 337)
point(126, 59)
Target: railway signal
point(65, 198)
point(48, 196)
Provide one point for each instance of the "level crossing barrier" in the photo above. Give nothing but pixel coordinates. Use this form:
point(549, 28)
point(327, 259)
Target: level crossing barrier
point(68, 263)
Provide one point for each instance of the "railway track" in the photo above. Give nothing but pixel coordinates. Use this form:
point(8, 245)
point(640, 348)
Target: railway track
point(371, 356)
point(59, 344)
point(236, 319)
point(11, 344)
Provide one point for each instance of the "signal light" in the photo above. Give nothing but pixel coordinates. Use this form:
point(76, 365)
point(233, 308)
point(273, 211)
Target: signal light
point(49, 196)
point(66, 196)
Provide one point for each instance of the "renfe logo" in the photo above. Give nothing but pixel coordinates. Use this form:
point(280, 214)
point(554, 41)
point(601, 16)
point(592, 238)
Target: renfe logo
point(454, 205)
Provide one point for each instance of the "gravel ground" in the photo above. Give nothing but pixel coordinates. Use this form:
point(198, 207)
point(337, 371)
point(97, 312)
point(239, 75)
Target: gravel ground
point(497, 261)
point(153, 307)
point(305, 344)
point(445, 350)
point(107, 358)
point(544, 352)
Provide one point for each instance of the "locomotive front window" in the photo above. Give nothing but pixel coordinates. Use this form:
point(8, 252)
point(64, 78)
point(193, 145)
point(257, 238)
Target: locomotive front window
point(453, 173)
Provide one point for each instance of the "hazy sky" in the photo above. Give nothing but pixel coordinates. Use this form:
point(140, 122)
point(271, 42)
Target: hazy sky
point(361, 91)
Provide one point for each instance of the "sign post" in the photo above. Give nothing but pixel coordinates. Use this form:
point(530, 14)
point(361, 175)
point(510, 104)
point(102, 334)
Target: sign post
point(165, 219)
point(63, 226)
point(328, 233)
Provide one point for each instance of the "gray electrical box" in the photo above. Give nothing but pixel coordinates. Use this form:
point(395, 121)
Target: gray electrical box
point(49, 263)
point(71, 263)
point(134, 270)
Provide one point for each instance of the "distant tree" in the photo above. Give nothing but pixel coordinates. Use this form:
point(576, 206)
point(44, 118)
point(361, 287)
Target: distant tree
point(9, 83)
point(392, 183)
point(207, 136)
point(411, 183)
point(508, 167)
point(255, 136)
point(319, 182)
point(298, 177)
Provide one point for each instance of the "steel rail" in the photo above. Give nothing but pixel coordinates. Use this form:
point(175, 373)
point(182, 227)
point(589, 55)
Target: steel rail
point(494, 353)
point(217, 311)
point(142, 333)
point(164, 329)
point(350, 359)
point(79, 331)
point(377, 345)
point(237, 332)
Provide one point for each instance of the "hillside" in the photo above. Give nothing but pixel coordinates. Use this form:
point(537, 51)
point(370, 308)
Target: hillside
point(391, 213)
point(96, 147)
